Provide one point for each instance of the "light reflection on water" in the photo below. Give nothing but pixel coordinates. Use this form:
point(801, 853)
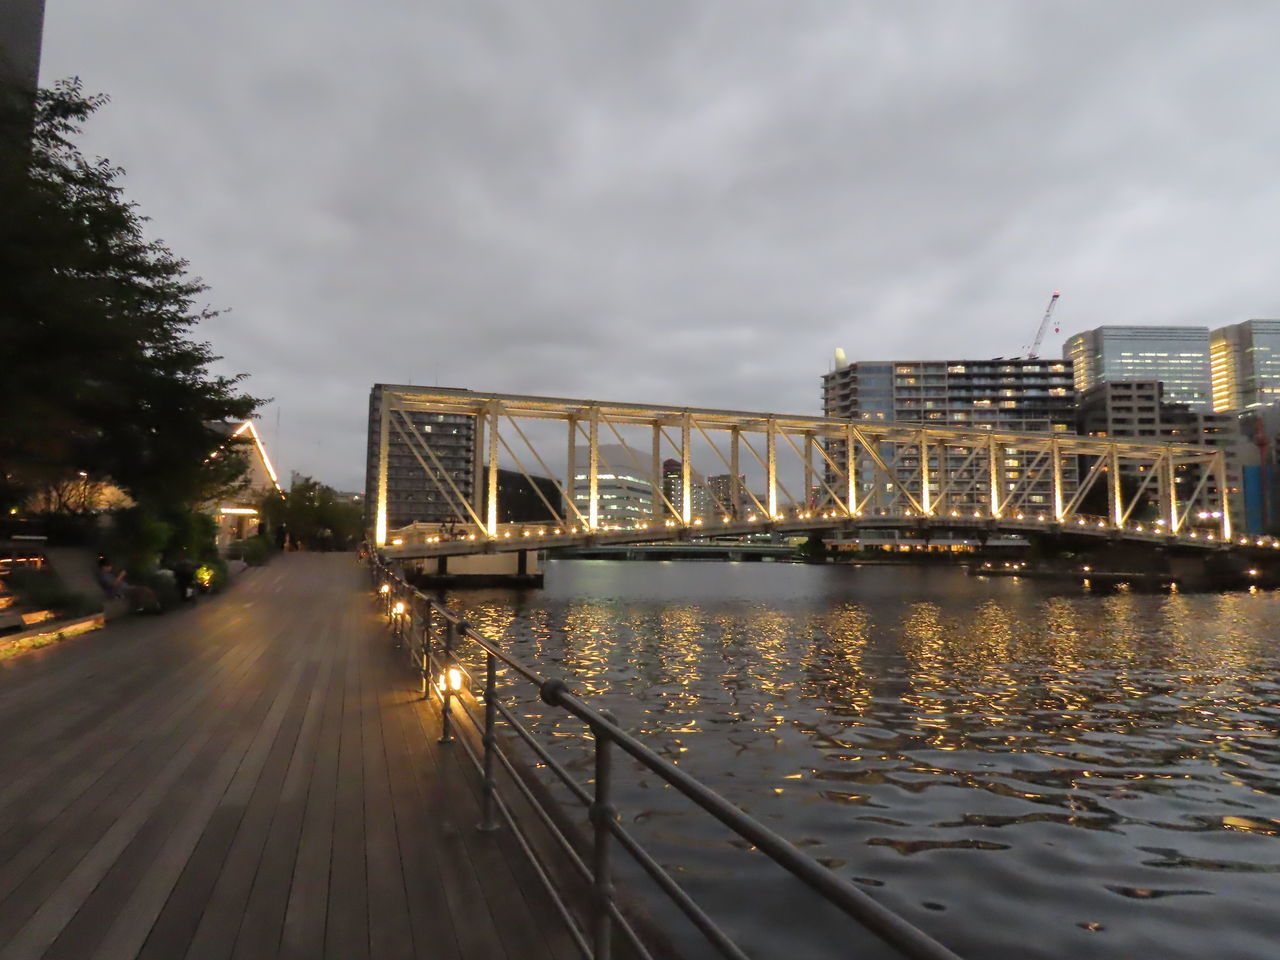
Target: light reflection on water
point(1021, 773)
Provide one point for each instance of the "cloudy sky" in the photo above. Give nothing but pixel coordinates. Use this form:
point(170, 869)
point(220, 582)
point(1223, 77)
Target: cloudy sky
point(678, 202)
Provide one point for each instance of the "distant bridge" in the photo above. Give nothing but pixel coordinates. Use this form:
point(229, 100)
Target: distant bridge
point(856, 476)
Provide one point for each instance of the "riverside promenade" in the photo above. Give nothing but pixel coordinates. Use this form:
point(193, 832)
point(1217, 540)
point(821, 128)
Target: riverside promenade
point(251, 777)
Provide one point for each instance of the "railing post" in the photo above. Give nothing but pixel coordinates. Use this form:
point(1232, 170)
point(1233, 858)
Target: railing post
point(487, 821)
point(426, 652)
point(397, 621)
point(447, 694)
point(602, 815)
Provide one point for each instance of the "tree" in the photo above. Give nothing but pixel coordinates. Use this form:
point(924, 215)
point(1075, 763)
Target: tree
point(314, 517)
point(102, 375)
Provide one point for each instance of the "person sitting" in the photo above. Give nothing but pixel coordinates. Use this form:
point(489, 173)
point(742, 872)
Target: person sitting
point(115, 586)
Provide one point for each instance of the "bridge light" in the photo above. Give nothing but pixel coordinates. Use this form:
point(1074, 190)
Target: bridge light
point(1086, 568)
point(398, 542)
point(1138, 528)
point(697, 523)
point(751, 519)
point(955, 513)
point(524, 533)
point(471, 537)
point(1040, 518)
point(1019, 517)
point(398, 609)
point(542, 531)
point(384, 589)
point(557, 532)
point(724, 519)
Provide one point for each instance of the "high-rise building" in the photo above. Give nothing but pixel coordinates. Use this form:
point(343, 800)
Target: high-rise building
point(421, 488)
point(701, 504)
point(1138, 410)
point(21, 32)
point(1013, 395)
point(1246, 364)
point(1176, 356)
point(624, 486)
point(721, 488)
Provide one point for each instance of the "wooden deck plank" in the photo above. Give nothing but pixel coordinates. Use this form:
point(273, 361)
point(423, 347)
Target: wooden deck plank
point(177, 922)
point(263, 922)
point(425, 886)
point(221, 916)
point(71, 761)
point(248, 778)
point(390, 933)
point(52, 841)
point(155, 802)
point(114, 896)
point(346, 935)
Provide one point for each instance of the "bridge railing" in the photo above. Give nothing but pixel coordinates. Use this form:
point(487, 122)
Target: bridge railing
point(434, 639)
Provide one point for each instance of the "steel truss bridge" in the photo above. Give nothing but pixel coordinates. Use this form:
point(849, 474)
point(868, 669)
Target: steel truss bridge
point(856, 476)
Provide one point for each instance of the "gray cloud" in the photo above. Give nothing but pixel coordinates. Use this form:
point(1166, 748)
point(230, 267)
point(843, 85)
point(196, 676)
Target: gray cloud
point(674, 202)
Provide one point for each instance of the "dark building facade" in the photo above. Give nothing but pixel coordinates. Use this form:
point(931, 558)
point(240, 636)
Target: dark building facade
point(519, 500)
point(416, 494)
point(1138, 410)
point(1014, 395)
point(21, 32)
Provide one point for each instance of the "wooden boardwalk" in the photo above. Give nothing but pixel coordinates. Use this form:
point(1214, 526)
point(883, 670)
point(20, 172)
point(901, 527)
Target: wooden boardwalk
point(251, 777)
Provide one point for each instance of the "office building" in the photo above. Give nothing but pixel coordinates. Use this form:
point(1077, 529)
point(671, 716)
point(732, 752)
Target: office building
point(701, 503)
point(1138, 410)
point(1245, 360)
point(624, 486)
point(1176, 356)
point(421, 488)
point(721, 488)
point(1260, 427)
point(1012, 395)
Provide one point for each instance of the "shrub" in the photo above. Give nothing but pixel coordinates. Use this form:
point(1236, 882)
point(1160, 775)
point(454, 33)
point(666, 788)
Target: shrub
point(43, 590)
point(163, 586)
point(217, 574)
point(255, 551)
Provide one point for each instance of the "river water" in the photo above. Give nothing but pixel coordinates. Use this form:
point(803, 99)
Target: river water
point(1022, 771)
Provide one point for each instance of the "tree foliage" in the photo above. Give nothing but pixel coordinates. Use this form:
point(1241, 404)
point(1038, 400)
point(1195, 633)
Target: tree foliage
point(314, 517)
point(101, 370)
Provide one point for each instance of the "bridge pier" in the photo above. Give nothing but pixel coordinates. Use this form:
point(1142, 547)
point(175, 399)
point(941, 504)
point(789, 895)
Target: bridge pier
point(514, 569)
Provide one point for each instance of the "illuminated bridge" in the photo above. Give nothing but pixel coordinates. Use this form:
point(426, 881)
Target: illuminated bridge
point(786, 474)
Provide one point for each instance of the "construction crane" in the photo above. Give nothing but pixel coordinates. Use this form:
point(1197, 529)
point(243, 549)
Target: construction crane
point(1034, 350)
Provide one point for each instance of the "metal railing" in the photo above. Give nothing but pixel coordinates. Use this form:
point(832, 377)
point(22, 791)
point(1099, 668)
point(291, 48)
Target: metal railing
point(432, 637)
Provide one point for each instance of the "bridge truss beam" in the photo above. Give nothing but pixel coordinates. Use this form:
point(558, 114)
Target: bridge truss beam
point(853, 473)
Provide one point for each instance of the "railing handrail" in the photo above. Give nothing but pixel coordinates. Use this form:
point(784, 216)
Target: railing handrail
point(889, 926)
